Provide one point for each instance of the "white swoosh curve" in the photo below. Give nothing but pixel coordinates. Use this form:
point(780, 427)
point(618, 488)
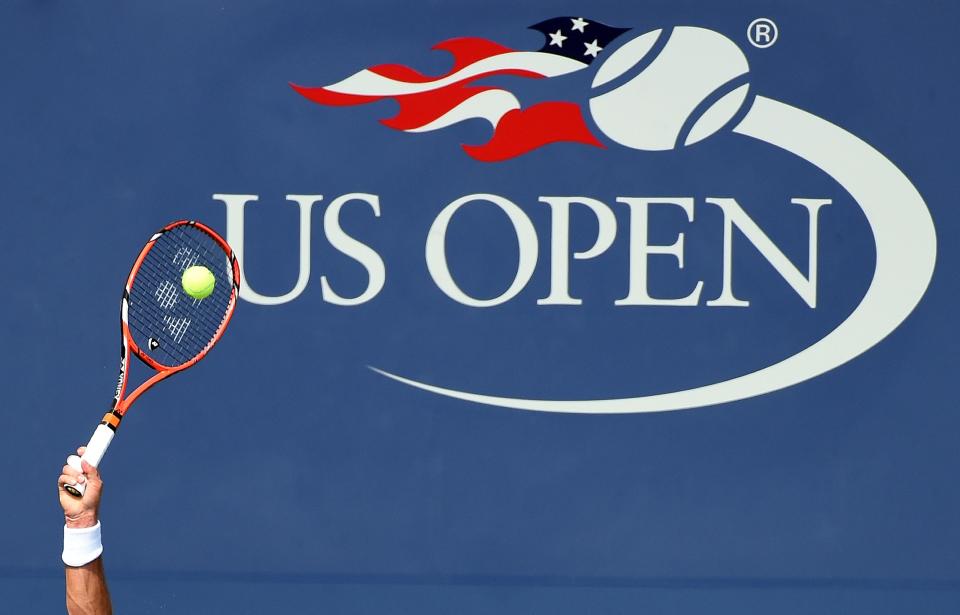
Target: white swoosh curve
point(906, 255)
point(369, 83)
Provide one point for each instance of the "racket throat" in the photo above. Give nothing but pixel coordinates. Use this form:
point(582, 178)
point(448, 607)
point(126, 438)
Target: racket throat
point(112, 419)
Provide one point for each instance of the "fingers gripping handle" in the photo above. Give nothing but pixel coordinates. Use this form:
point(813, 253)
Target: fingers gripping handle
point(95, 450)
point(75, 489)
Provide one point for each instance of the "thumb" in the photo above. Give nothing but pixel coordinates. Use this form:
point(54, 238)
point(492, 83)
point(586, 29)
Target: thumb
point(89, 470)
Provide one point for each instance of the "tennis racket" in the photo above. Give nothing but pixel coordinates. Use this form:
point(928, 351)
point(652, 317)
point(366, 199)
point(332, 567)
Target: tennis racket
point(161, 324)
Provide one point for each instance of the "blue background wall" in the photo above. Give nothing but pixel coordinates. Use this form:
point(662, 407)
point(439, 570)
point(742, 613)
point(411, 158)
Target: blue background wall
point(283, 475)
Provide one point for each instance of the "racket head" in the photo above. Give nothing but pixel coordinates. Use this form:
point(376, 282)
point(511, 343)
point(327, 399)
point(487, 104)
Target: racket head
point(161, 324)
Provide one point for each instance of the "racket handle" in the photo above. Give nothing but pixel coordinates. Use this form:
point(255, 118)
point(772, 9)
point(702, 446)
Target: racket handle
point(95, 450)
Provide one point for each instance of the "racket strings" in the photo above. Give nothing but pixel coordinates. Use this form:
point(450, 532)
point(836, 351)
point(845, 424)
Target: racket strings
point(169, 284)
point(178, 323)
point(180, 328)
point(174, 256)
point(168, 324)
point(223, 273)
point(189, 324)
point(166, 308)
point(165, 288)
point(175, 333)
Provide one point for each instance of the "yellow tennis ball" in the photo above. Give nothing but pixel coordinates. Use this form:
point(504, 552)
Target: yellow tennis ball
point(198, 281)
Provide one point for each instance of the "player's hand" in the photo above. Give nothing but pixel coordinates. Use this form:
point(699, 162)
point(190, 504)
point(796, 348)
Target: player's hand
point(80, 512)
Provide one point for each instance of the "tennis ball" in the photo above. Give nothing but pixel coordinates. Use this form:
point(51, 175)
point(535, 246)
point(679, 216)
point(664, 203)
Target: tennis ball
point(649, 111)
point(198, 281)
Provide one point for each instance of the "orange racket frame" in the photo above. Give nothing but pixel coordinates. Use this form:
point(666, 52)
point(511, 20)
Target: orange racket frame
point(103, 435)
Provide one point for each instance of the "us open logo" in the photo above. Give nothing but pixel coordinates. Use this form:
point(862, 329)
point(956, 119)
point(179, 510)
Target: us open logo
point(659, 91)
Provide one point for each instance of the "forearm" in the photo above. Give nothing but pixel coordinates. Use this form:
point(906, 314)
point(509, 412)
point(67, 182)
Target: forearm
point(86, 584)
point(87, 589)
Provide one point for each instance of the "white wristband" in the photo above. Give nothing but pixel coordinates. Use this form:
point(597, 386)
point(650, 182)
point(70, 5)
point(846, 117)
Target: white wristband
point(81, 545)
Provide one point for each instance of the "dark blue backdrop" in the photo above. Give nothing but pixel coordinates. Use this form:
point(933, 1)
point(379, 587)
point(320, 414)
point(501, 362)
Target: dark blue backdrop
point(282, 475)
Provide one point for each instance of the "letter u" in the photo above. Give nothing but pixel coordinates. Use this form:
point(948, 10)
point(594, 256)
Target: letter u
point(235, 206)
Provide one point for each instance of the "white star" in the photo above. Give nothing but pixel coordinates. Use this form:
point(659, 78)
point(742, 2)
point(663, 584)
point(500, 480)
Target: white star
point(579, 24)
point(592, 49)
point(557, 38)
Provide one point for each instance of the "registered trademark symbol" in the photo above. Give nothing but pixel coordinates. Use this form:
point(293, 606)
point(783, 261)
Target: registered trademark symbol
point(762, 32)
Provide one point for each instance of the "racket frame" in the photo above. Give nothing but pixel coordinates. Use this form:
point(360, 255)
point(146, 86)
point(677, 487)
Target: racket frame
point(103, 435)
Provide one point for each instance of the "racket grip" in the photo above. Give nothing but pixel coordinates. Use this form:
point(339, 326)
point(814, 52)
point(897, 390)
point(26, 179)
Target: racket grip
point(95, 450)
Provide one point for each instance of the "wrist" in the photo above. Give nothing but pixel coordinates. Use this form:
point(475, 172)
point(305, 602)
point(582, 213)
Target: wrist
point(81, 545)
point(87, 518)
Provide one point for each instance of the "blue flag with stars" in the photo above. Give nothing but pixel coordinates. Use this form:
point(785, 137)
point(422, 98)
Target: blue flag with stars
point(576, 38)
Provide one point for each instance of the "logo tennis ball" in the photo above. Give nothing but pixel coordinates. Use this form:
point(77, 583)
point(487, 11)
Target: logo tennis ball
point(198, 281)
point(649, 111)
